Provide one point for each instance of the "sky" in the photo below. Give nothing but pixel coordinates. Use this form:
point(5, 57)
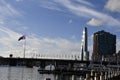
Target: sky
point(53, 28)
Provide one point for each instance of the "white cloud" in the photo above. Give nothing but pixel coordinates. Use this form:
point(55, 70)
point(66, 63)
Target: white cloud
point(40, 46)
point(8, 39)
point(85, 3)
point(89, 13)
point(56, 46)
point(36, 45)
point(83, 11)
point(95, 22)
point(113, 5)
point(8, 16)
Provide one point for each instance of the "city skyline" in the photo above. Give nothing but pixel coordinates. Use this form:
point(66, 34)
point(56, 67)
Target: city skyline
point(55, 26)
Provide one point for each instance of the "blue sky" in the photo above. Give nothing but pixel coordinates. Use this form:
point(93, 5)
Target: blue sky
point(54, 27)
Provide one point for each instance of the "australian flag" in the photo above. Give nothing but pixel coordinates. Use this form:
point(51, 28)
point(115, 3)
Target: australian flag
point(22, 38)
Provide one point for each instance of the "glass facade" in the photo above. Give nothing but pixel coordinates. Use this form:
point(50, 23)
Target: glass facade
point(104, 44)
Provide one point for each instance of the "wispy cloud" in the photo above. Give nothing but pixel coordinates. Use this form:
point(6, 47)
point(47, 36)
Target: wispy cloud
point(89, 13)
point(95, 22)
point(49, 5)
point(85, 11)
point(40, 46)
point(113, 5)
point(7, 40)
point(7, 12)
point(56, 46)
point(9, 16)
point(85, 3)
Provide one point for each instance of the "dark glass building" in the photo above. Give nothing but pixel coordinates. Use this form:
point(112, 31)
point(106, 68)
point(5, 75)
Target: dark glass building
point(104, 44)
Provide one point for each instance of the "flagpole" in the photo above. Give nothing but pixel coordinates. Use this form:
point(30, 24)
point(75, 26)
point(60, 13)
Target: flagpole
point(24, 48)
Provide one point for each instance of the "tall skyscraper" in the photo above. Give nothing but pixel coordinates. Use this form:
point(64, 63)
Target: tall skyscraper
point(104, 44)
point(84, 46)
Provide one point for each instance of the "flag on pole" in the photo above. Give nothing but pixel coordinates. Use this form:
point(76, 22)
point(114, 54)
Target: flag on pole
point(22, 38)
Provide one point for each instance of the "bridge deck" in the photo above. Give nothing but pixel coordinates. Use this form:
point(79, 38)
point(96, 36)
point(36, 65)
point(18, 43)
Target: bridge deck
point(64, 72)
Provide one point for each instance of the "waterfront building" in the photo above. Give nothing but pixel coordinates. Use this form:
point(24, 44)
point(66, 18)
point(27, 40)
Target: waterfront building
point(104, 45)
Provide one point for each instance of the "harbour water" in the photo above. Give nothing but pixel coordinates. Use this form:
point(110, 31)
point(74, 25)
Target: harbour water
point(22, 73)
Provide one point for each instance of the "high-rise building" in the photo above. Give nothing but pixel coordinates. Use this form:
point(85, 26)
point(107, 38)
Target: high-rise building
point(104, 44)
point(84, 46)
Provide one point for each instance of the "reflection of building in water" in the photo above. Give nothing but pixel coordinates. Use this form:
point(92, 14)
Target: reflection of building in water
point(104, 44)
point(9, 73)
point(84, 46)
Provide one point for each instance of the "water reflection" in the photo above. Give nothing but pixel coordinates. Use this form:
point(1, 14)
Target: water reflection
point(23, 73)
point(18, 73)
